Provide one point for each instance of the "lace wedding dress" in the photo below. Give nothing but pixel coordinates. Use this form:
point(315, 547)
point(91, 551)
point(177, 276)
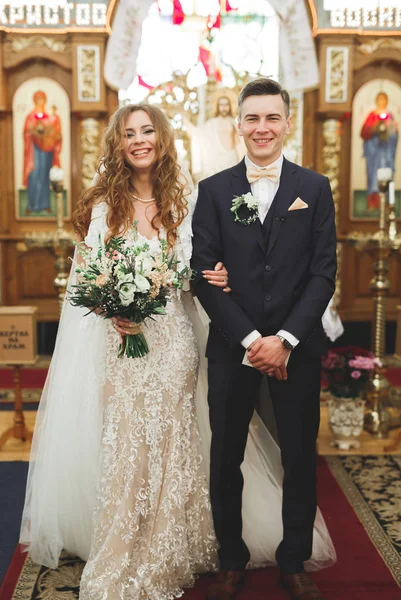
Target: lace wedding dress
point(152, 526)
point(116, 473)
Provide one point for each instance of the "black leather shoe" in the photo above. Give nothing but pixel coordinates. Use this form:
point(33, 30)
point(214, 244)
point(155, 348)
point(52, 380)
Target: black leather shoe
point(226, 585)
point(300, 587)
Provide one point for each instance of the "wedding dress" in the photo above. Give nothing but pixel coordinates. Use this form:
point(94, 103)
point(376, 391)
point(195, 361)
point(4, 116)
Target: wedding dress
point(118, 473)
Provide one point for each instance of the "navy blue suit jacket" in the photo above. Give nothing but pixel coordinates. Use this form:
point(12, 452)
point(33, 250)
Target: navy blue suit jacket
point(283, 283)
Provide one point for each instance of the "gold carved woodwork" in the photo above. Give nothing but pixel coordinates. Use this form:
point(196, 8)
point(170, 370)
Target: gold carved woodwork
point(331, 167)
point(331, 158)
point(88, 73)
point(294, 110)
point(19, 48)
point(293, 142)
point(19, 43)
point(368, 48)
point(175, 97)
point(90, 148)
point(178, 100)
point(336, 74)
point(213, 91)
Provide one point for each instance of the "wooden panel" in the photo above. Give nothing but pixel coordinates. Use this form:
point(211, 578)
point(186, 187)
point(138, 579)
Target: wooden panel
point(356, 297)
point(35, 275)
point(27, 279)
point(309, 130)
point(2, 75)
point(397, 351)
point(364, 273)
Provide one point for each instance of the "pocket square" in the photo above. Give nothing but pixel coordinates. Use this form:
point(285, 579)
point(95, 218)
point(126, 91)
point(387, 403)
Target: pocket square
point(298, 204)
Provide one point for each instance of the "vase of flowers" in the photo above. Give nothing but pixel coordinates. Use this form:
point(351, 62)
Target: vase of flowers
point(347, 371)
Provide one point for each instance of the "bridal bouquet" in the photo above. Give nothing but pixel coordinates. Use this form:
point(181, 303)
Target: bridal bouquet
point(127, 281)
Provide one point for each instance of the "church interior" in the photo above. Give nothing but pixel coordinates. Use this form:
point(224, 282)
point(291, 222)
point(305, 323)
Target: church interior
point(64, 69)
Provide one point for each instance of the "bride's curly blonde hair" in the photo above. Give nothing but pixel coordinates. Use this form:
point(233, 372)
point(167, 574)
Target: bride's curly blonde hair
point(114, 183)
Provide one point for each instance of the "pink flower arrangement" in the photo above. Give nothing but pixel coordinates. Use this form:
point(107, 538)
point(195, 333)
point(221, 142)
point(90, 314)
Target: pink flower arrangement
point(347, 370)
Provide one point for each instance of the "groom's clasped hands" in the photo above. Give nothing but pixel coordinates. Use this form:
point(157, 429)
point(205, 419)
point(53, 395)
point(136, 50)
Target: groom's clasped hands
point(268, 355)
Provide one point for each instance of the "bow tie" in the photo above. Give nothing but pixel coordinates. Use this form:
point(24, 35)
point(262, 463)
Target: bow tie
point(271, 173)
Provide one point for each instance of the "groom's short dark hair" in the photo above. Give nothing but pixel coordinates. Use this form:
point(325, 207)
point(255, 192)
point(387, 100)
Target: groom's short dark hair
point(264, 87)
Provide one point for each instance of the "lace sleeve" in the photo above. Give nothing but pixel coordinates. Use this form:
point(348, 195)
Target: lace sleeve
point(97, 227)
point(183, 247)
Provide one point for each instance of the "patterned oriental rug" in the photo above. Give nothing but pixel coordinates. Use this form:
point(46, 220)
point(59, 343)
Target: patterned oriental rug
point(360, 498)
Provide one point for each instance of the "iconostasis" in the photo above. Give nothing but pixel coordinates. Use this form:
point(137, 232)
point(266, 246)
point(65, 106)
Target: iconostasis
point(358, 114)
point(54, 104)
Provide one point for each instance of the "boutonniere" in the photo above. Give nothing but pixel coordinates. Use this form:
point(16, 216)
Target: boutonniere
point(250, 202)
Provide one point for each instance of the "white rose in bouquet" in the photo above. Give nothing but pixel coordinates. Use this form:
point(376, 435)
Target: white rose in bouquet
point(146, 262)
point(127, 293)
point(141, 283)
point(124, 277)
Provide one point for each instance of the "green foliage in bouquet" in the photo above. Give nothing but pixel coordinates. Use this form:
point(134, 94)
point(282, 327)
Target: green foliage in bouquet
point(128, 282)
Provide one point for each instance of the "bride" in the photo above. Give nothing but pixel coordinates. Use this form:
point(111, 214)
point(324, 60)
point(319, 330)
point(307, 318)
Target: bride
point(118, 472)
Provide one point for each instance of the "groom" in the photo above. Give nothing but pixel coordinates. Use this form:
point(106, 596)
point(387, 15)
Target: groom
point(280, 253)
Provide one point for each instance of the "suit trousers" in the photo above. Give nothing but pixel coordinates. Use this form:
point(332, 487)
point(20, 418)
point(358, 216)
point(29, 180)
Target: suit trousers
point(233, 393)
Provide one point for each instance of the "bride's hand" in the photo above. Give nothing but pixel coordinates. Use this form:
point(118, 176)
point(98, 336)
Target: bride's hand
point(218, 277)
point(124, 326)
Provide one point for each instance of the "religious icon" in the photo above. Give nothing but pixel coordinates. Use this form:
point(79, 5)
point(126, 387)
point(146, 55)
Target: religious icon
point(215, 145)
point(376, 114)
point(42, 146)
point(380, 136)
point(41, 140)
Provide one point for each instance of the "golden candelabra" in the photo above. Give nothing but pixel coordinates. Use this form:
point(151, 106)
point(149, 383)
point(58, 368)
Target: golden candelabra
point(59, 242)
point(380, 246)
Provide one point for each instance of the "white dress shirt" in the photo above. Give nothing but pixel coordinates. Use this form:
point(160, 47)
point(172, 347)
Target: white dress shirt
point(265, 190)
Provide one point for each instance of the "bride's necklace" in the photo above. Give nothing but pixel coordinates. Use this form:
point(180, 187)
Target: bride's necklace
point(143, 200)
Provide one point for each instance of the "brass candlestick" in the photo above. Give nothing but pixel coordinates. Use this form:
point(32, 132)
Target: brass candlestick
point(61, 245)
point(59, 242)
point(380, 246)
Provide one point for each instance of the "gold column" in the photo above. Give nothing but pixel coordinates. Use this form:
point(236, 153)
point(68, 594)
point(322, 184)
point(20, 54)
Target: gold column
point(61, 245)
point(90, 146)
point(331, 168)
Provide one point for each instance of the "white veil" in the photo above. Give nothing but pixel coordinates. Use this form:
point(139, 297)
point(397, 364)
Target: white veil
point(65, 453)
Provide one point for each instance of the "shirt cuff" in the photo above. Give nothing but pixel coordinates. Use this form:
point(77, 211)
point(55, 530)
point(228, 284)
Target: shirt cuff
point(250, 338)
point(288, 336)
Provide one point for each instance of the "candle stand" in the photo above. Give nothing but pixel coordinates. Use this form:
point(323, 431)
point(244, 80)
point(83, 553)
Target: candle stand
point(59, 242)
point(380, 246)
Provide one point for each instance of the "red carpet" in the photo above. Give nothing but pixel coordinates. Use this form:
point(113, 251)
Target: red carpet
point(359, 574)
point(30, 378)
point(394, 376)
point(12, 575)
